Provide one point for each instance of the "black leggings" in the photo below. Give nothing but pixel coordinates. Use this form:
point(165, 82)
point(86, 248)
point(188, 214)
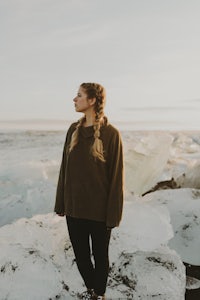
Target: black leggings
point(80, 230)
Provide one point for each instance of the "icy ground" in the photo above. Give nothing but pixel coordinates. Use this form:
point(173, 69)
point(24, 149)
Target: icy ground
point(37, 260)
point(157, 233)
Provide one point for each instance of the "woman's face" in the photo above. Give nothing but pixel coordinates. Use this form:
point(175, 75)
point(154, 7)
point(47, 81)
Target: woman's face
point(81, 102)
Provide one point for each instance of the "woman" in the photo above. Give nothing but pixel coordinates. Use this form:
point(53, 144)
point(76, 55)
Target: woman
point(90, 187)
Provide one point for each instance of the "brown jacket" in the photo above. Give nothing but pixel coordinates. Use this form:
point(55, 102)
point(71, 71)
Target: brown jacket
point(88, 188)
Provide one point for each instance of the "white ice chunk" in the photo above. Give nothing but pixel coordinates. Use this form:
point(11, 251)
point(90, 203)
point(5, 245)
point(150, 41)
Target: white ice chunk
point(184, 208)
point(144, 226)
point(146, 160)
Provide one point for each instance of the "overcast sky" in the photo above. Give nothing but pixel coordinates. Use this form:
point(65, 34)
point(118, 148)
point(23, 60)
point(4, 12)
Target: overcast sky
point(146, 53)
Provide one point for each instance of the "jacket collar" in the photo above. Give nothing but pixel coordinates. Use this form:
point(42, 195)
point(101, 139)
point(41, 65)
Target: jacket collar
point(89, 131)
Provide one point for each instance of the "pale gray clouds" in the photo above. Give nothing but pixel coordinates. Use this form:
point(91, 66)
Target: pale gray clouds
point(144, 52)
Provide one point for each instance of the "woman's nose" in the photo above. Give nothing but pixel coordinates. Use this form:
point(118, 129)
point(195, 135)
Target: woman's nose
point(74, 99)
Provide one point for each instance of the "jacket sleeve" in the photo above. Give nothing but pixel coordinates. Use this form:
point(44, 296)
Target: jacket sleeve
point(59, 203)
point(116, 178)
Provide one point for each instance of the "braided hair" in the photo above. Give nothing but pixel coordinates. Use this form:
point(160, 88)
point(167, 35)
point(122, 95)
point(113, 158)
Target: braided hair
point(93, 90)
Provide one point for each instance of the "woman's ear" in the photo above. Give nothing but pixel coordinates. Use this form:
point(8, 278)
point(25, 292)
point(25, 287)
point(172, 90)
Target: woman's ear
point(92, 101)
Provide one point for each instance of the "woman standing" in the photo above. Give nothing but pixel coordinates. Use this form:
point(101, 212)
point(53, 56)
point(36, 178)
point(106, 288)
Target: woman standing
point(90, 187)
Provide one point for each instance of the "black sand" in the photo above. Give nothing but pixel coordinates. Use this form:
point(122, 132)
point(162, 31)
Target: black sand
point(192, 271)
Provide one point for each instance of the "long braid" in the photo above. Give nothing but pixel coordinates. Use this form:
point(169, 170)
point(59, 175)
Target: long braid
point(97, 147)
point(74, 138)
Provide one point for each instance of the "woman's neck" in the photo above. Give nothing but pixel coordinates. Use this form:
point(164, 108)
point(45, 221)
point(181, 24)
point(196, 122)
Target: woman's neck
point(89, 120)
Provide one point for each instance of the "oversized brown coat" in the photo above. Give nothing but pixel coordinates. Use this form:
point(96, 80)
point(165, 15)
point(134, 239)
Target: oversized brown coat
point(88, 188)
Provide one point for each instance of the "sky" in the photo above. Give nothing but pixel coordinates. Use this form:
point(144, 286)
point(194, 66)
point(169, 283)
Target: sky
point(145, 53)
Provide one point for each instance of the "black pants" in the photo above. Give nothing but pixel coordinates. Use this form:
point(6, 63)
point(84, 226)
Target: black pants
point(80, 230)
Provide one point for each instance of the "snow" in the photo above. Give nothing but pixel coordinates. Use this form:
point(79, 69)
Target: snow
point(154, 275)
point(37, 262)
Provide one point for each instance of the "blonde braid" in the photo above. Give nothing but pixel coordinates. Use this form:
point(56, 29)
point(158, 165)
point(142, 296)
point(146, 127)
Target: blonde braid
point(75, 135)
point(97, 147)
